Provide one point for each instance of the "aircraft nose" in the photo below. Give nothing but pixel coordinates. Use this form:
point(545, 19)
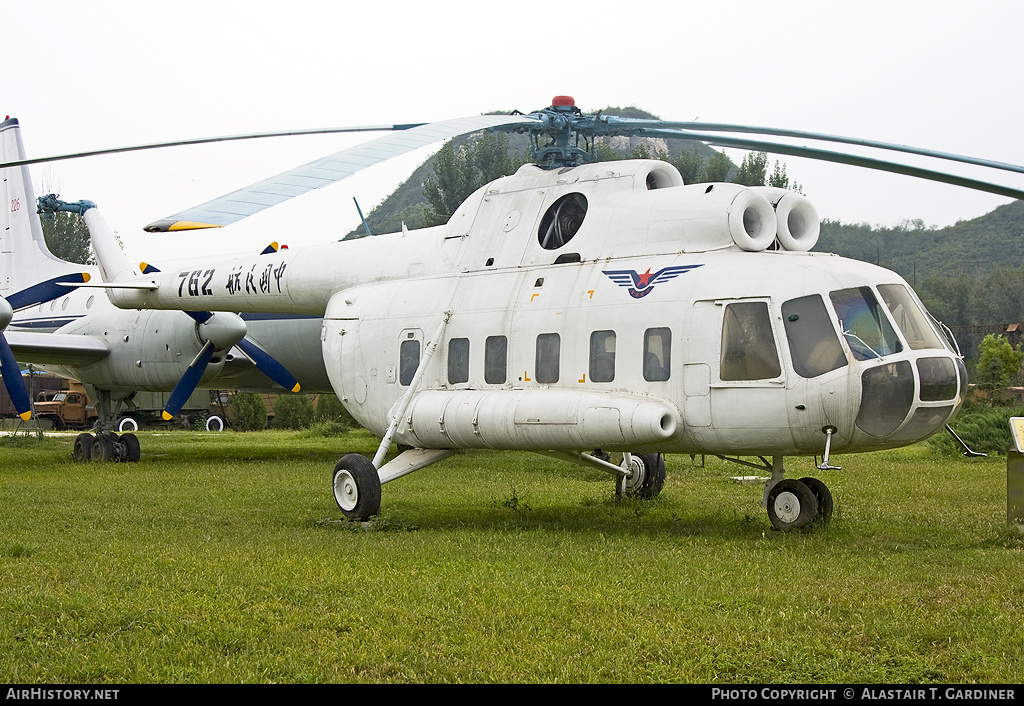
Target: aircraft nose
point(930, 386)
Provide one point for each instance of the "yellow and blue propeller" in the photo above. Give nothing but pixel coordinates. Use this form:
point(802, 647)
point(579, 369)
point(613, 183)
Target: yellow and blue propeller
point(220, 331)
point(31, 296)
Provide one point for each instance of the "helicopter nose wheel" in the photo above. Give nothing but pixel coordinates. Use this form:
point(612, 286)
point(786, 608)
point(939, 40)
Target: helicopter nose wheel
point(797, 504)
point(356, 487)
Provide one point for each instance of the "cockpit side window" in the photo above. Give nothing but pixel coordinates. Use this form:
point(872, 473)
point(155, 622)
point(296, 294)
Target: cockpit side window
point(748, 344)
point(864, 324)
point(813, 343)
point(909, 316)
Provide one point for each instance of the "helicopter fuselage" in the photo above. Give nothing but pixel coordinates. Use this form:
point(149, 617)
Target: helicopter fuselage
point(606, 306)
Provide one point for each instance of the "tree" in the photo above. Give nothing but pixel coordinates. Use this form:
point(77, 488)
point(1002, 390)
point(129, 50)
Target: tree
point(293, 412)
point(67, 237)
point(689, 165)
point(753, 169)
point(998, 363)
point(449, 185)
point(248, 412)
point(461, 170)
point(718, 168)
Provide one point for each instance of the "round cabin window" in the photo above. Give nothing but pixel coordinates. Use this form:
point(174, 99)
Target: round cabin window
point(562, 220)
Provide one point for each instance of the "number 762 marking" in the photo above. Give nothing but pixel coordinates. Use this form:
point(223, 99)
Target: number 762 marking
point(194, 287)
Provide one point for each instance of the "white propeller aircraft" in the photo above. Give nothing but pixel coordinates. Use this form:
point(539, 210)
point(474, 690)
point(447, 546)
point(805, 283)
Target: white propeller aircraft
point(51, 316)
point(602, 313)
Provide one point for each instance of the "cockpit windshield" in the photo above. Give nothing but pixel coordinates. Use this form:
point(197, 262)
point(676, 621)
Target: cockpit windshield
point(909, 317)
point(864, 324)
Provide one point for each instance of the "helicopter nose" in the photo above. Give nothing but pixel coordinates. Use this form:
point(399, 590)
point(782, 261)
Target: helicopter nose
point(890, 392)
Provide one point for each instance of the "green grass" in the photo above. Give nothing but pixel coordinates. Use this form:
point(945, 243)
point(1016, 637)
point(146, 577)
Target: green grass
point(223, 558)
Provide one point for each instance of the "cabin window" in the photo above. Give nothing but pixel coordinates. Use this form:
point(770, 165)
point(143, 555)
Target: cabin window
point(458, 361)
point(408, 361)
point(864, 324)
point(909, 316)
point(562, 220)
point(657, 353)
point(602, 356)
point(748, 344)
point(813, 342)
point(495, 360)
point(548, 349)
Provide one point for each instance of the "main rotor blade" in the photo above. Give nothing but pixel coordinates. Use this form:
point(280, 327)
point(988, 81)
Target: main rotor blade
point(839, 158)
point(642, 126)
point(254, 198)
point(206, 140)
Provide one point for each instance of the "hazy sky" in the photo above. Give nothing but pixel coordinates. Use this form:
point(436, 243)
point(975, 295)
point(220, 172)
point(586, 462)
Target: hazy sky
point(940, 75)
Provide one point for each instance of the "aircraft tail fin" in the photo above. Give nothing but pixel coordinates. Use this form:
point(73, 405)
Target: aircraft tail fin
point(24, 257)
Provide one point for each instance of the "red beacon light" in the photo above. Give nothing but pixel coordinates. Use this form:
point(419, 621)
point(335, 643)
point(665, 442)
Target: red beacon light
point(563, 103)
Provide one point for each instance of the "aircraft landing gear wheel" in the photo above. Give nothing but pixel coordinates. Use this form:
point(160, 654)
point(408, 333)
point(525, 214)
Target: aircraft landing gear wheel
point(102, 448)
point(83, 448)
point(824, 497)
point(646, 479)
point(133, 451)
point(791, 505)
point(356, 487)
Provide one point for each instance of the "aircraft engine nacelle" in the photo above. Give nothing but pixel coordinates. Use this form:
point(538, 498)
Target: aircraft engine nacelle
point(698, 217)
point(797, 218)
point(149, 350)
point(537, 420)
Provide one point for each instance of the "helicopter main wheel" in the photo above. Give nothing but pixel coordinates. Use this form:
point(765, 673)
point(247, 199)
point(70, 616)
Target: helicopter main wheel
point(824, 497)
point(646, 479)
point(356, 487)
point(83, 448)
point(791, 505)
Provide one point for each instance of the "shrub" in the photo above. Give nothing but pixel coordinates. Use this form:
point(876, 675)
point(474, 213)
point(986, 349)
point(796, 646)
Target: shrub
point(293, 412)
point(331, 411)
point(984, 429)
point(248, 412)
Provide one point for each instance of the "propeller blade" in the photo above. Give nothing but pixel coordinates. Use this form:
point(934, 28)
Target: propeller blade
point(189, 382)
point(268, 366)
point(45, 291)
point(13, 381)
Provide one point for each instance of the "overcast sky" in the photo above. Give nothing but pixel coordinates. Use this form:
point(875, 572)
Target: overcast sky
point(940, 75)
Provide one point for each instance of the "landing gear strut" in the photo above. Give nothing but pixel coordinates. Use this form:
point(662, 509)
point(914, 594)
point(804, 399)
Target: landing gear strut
point(106, 444)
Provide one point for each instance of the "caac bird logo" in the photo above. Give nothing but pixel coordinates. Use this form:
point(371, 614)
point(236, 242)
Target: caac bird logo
point(640, 284)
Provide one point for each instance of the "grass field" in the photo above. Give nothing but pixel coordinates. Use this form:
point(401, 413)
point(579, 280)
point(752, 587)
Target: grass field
point(223, 558)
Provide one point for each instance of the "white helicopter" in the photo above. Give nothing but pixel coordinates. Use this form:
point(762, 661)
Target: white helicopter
point(65, 326)
point(603, 313)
